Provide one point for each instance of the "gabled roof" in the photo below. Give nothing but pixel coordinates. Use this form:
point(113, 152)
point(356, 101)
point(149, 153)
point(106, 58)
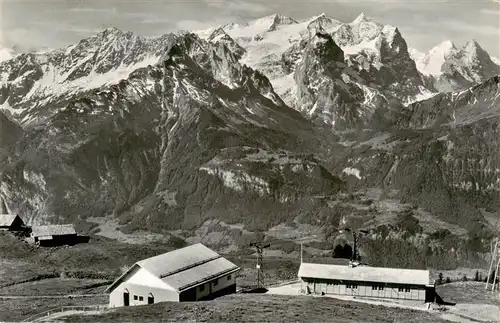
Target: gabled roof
point(184, 268)
point(200, 274)
point(365, 274)
point(52, 230)
point(178, 260)
point(6, 220)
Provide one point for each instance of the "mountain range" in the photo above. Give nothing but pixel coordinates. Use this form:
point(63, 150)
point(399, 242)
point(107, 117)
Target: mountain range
point(271, 122)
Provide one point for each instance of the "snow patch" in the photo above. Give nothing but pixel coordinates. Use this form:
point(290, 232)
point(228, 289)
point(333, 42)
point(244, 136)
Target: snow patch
point(239, 181)
point(352, 171)
point(423, 95)
point(495, 60)
point(6, 54)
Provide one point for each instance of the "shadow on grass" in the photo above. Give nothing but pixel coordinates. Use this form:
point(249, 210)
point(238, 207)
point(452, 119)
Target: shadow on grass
point(441, 301)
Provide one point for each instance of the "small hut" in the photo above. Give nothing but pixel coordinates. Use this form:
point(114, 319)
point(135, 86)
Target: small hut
point(11, 222)
point(54, 235)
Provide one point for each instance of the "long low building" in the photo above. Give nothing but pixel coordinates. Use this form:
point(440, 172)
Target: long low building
point(366, 281)
point(53, 235)
point(187, 274)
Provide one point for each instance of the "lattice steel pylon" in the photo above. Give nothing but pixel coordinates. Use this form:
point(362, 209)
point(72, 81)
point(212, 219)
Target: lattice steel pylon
point(260, 274)
point(494, 266)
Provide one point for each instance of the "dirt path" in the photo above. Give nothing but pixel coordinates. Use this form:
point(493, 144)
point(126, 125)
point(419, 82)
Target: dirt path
point(66, 313)
point(47, 296)
point(456, 318)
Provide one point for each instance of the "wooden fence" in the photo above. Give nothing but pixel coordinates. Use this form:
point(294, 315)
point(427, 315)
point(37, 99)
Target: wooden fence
point(60, 309)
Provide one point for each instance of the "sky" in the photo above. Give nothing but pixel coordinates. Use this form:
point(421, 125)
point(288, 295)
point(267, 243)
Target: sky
point(40, 24)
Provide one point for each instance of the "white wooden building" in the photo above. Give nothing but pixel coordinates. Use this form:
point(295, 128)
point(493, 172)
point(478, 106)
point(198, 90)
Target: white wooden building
point(187, 274)
point(366, 281)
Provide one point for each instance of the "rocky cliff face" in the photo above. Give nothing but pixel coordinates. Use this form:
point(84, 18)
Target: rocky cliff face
point(324, 83)
point(147, 146)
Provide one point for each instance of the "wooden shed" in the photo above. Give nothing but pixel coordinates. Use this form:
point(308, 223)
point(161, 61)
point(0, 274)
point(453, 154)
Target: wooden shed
point(187, 274)
point(11, 222)
point(365, 281)
point(53, 235)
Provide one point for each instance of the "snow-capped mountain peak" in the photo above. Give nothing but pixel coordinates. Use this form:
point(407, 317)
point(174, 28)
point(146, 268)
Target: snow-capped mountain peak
point(471, 45)
point(361, 18)
point(323, 21)
point(455, 68)
point(264, 24)
point(279, 20)
point(217, 34)
point(430, 63)
point(474, 52)
point(6, 53)
point(365, 28)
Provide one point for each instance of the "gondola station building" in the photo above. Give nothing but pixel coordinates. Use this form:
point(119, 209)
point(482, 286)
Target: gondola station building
point(366, 281)
point(187, 274)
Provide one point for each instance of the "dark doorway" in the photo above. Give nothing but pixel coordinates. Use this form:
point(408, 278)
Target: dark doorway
point(151, 299)
point(342, 251)
point(126, 299)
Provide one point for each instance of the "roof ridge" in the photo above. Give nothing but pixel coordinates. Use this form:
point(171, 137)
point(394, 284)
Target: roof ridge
point(210, 277)
point(195, 264)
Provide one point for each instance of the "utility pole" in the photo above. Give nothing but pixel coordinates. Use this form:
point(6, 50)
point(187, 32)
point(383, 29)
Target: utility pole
point(301, 250)
point(260, 274)
point(494, 265)
point(355, 246)
point(355, 235)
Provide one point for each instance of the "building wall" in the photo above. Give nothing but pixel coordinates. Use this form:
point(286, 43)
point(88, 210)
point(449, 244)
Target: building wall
point(213, 286)
point(366, 289)
point(159, 294)
point(141, 282)
point(57, 240)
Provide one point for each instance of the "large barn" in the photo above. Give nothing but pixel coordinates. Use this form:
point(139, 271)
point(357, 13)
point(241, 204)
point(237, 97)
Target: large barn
point(11, 222)
point(366, 281)
point(187, 274)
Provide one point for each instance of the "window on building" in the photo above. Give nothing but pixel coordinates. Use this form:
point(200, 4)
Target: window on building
point(348, 286)
point(201, 288)
point(216, 281)
point(401, 289)
point(141, 298)
point(229, 277)
point(380, 287)
point(135, 297)
point(374, 287)
point(407, 289)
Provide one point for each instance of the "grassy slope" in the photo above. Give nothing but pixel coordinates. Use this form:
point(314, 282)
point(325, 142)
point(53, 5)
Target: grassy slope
point(57, 286)
point(12, 310)
point(467, 292)
point(100, 259)
point(261, 308)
